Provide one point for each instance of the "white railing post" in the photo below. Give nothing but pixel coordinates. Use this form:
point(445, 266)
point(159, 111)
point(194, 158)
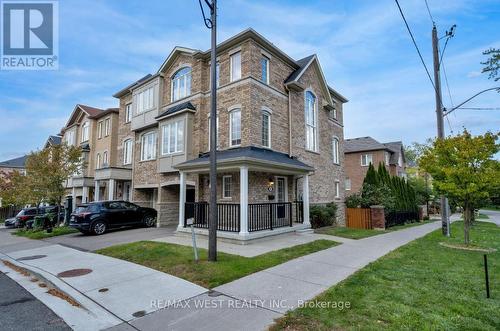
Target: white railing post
point(243, 201)
point(305, 197)
point(111, 189)
point(96, 191)
point(85, 194)
point(182, 199)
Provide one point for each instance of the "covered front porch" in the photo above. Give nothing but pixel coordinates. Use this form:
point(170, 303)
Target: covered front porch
point(259, 193)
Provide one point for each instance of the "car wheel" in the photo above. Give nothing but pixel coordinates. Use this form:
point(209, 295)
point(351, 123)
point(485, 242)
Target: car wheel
point(99, 228)
point(149, 221)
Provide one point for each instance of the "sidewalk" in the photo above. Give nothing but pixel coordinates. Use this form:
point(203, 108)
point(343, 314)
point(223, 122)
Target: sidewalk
point(254, 301)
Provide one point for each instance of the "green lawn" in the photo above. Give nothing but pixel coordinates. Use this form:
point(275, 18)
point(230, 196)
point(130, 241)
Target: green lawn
point(362, 233)
point(41, 234)
point(420, 286)
point(494, 208)
point(483, 217)
point(178, 260)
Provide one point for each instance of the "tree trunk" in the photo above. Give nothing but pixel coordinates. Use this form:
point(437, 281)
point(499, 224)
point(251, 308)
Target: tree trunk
point(467, 219)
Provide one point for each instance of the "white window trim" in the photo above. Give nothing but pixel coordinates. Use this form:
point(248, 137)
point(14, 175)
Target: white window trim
point(179, 122)
point(107, 126)
point(224, 178)
point(231, 127)
point(131, 154)
point(286, 187)
point(231, 66)
point(105, 161)
point(316, 126)
point(268, 113)
point(267, 68)
point(128, 115)
point(188, 93)
point(155, 143)
point(98, 161)
point(367, 163)
point(336, 152)
point(337, 189)
point(348, 187)
point(85, 131)
point(100, 126)
point(135, 99)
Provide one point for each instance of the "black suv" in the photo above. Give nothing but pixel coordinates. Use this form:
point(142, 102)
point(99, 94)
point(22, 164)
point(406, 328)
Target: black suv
point(98, 217)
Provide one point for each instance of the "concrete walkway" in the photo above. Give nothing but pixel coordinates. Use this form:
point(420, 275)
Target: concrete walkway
point(254, 301)
point(494, 216)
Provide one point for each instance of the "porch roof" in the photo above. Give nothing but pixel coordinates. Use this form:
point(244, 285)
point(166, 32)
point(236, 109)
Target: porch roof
point(255, 157)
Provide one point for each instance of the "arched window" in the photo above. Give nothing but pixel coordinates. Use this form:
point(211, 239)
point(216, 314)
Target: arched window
point(98, 161)
point(85, 131)
point(181, 84)
point(335, 150)
point(266, 129)
point(235, 127)
point(105, 159)
point(311, 121)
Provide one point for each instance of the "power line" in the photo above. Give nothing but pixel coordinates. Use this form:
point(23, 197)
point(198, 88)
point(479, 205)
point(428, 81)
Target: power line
point(447, 86)
point(480, 108)
point(429, 11)
point(415, 44)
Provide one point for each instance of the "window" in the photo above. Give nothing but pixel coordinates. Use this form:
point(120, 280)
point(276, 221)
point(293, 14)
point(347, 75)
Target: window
point(264, 68)
point(235, 66)
point(99, 130)
point(144, 100)
point(105, 159)
point(127, 151)
point(217, 133)
point(235, 127)
point(387, 158)
point(85, 131)
point(181, 84)
point(337, 189)
point(128, 113)
point(400, 160)
point(173, 137)
point(227, 182)
point(266, 129)
point(348, 184)
point(148, 146)
point(336, 153)
point(310, 114)
point(98, 161)
point(70, 137)
point(366, 159)
point(107, 123)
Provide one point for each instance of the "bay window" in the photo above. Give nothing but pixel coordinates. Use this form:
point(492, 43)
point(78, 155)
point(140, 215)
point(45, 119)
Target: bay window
point(148, 146)
point(181, 84)
point(173, 137)
point(144, 100)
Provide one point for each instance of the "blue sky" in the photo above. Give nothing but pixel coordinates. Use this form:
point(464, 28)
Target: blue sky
point(363, 47)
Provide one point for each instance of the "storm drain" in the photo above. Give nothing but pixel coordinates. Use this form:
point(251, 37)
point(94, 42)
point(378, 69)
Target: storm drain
point(31, 257)
point(139, 313)
point(74, 273)
point(102, 290)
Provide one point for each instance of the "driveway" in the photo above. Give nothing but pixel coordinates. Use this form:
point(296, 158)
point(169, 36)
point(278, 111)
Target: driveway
point(494, 216)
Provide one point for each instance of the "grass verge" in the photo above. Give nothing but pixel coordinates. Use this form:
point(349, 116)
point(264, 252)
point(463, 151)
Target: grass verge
point(178, 260)
point(352, 233)
point(41, 234)
point(420, 286)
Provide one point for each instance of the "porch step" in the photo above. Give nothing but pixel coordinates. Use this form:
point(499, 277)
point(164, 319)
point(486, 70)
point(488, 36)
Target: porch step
point(305, 230)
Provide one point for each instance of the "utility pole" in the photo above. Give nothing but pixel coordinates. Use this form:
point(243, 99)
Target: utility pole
point(211, 23)
point(440, 122)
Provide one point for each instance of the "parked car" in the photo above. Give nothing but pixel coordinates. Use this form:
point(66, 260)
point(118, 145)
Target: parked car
point(25, 217)
point(98, 217)
point(10, 222)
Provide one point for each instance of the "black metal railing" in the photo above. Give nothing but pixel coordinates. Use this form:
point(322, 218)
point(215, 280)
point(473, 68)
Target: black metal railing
point(299, 211)
point(268, 216)
point(228, 215)
point(400, 218)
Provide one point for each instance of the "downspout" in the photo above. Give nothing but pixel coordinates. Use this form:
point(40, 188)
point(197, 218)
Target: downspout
point(289, 122)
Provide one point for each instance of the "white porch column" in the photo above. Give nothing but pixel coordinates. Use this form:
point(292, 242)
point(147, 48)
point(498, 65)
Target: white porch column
point(73, 194)
point(182, 198)
point(111, 189)
point(244, 200)
point(305, 198)
point(96, 191)
point(85, 194)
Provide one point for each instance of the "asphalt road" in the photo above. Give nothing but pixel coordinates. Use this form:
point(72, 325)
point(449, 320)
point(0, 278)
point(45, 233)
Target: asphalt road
point(19, 310)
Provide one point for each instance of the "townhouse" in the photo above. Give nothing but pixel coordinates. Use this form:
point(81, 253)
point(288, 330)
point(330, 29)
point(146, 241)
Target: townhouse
point(279, 138)
point(360, 152)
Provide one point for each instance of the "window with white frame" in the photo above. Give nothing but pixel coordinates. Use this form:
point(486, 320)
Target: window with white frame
point(127, 151)
point(264, 69)
point(148, 146)
point(181, 84)
point(144, 100)
point(70, 137)
point(235, 127)
point(366, 159)
point(235, 64)
point(99, 130)
point(387, 158)
point(337, 189)
point(173, 137)
point(347, 184)
point(336, 150)
point(311, 121)
point(216, 133)
point(400, 160)
point(227, 182)
point(98, 161)
point(85, 131)
point(266, 129)
point(107, 126)
point(128, 113)
point(105, 160)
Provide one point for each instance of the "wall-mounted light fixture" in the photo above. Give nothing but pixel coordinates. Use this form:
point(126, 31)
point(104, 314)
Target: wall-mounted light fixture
point(270, 184)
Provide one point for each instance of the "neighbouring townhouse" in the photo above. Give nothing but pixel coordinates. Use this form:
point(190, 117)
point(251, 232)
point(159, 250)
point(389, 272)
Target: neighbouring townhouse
point(95, 131)
point(360, 152)
point(279, 138)
point(53, 141)
point(8, 167)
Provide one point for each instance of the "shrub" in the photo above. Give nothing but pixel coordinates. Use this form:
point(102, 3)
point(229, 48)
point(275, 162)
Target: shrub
point(323, 215)
point(354, 201)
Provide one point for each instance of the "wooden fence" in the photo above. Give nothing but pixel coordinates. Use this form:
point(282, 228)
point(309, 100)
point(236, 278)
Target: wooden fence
point(359, 218)
point(8, 211)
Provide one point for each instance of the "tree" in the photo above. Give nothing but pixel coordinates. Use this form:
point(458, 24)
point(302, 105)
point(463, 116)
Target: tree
point(464, 169)
point(492, 64)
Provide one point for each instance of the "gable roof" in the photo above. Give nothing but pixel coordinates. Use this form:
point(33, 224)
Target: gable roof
point(362, 144)
point(105, 112)
point(396, 147)
point(90, 111)
point(18, 162)
point(173, 54)
point(53, 141)
point(175, 109)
